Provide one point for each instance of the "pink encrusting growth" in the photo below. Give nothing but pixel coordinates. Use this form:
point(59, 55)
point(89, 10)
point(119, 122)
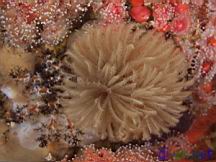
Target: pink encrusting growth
point(43, 113)
point(29, 23)
point(111, 11)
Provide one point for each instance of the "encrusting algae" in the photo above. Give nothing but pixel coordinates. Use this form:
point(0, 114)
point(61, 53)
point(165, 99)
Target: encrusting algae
point(12, 61)
point(81, 82)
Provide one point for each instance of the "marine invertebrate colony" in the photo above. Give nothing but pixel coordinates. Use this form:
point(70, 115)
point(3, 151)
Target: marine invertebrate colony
point(12, 59)
point(30, 23)
point(107, 93)
point(125, 83)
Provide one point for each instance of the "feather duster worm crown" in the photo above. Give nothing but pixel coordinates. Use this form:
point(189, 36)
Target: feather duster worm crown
point(125, 83)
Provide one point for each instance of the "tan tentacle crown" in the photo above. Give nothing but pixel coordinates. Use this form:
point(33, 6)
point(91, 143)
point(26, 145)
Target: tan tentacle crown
point(125, 83)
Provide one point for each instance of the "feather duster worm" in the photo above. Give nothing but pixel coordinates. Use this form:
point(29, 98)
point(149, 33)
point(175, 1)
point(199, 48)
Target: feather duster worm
point(125, 83)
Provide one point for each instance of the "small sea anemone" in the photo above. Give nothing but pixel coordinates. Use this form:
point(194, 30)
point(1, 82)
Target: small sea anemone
point(125, 83)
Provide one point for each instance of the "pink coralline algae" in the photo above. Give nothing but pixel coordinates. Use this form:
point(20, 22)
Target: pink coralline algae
point(162, 13)
point(169, 17)
point(20, 26)
point(212, 5)
point(197, 2)
point(32, 109)
point(112, 11)
point(94, 155)
point(28, 24)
